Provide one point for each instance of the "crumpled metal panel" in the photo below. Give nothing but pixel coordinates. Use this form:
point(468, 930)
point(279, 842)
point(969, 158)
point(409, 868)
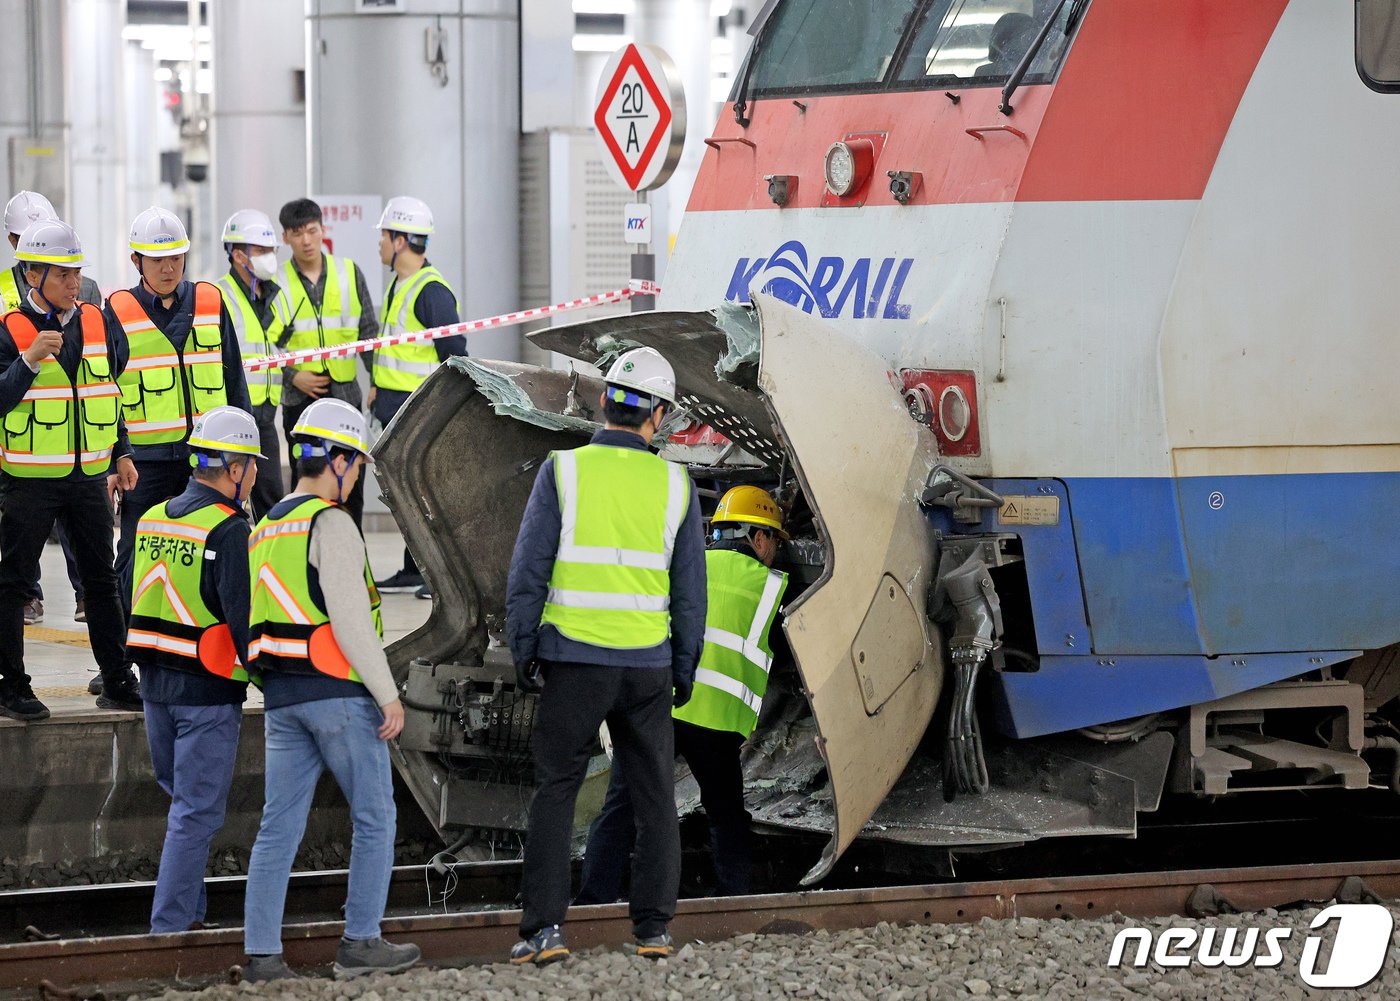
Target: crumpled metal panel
point(456, 466)
point(694, 344)
point(862, 463)
point(1042, 788)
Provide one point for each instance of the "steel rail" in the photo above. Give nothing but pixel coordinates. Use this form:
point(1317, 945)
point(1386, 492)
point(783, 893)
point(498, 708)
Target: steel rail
point(484, 936)
point(107, 909)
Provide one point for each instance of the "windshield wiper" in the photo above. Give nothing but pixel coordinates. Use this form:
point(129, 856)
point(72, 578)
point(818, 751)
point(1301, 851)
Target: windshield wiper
point(758, 29)
point(1019, 73)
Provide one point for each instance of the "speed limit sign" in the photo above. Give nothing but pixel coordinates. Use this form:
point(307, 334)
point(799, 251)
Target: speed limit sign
point(640, 116)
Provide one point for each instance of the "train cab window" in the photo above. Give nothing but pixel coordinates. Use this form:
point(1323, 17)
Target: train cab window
point(829, 44)
point(1378, 44)
point(980, 42)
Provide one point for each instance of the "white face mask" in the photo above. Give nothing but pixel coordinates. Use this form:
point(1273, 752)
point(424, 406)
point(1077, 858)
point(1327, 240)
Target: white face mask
point(263, 266)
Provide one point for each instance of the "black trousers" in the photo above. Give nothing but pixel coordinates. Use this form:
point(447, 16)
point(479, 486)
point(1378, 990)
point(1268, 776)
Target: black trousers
point(636, 703)
point(355, 503)
point(31, 506)
point(267, 491)
point(156, 482)
point(713, 757)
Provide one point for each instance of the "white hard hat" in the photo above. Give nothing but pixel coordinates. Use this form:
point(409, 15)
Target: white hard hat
point(227, 429)
point(24, 208)
point(335, 422)
point(644, 370)
point(50, 241)
point(159, 232)
point(404, 214)
point(250, 226)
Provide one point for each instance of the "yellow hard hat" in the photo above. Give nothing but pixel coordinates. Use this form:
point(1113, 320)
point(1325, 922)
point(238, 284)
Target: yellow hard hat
point(749, 505)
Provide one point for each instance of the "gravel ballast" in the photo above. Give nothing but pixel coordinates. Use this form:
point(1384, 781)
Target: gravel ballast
point(1010, 960)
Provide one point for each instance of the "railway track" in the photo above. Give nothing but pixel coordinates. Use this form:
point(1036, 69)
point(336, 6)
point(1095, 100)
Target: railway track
point(69, 965)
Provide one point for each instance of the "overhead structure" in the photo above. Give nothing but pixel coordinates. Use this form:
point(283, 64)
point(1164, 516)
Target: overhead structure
point(259, 107)
point(97, 144)
point(33, 126)
point(424, 101)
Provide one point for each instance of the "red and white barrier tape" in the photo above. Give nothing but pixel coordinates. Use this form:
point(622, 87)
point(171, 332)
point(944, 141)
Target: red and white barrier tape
point(634, 287)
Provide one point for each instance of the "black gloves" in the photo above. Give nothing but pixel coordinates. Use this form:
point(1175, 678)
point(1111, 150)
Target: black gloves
point(682, 692)
point(528, 677)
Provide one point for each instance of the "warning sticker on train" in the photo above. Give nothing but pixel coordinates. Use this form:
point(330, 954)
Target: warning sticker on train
point(1026, 510)
point(640, 116)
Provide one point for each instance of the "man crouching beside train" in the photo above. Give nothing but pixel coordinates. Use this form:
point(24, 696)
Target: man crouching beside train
point(316, 641)
point(189, 636)
point(744, 597)
point(605, 612)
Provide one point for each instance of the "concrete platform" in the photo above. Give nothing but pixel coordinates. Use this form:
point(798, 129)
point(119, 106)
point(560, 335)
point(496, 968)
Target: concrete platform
point(79, 785)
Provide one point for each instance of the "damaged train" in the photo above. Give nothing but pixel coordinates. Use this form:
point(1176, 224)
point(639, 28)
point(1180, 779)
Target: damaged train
point(1061, 330)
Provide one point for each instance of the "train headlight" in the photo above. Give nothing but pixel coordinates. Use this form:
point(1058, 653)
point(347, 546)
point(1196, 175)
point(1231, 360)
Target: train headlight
point(954, 413)
point(848, 165)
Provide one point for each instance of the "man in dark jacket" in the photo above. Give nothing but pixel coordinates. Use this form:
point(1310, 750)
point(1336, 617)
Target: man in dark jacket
point(189, 635)
point(21, 210)
point(606, 616)
point(177, 357)
point(62, 430)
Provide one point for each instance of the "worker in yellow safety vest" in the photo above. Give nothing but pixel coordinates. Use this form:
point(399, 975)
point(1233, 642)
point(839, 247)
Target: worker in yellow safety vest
point(419, 298)
point(251, 297)
point(24, 208)
point(325, 302)
point(331, 701)
point(62, 438)
point(177, 357)
point(744, 595)
point(605, 614)
point(189, 636)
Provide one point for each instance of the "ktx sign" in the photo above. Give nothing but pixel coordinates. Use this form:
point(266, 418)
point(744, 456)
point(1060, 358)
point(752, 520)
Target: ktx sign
point(640, 116)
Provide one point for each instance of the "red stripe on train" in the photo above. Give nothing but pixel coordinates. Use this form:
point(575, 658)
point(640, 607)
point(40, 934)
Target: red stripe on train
point(1139, 112)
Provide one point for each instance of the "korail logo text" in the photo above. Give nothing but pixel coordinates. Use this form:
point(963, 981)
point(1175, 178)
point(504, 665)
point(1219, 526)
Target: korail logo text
point(856, 287)
point(1360, 941)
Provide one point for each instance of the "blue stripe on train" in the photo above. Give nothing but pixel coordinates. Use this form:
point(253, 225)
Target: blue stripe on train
point(1173, 578)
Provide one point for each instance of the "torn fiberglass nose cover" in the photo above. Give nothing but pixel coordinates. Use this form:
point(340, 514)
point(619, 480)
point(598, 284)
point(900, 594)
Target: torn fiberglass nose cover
point(460, 459)
point(456, 466)
point(871, 662)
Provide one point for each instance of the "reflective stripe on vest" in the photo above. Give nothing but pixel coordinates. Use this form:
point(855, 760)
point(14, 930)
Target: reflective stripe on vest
point(264, 385)
point(620, 512)
point(170, 624)
point(743, 598)
point(405, 366)
point(10, 295)
point(164, 388)
point(291, 631)
point(41, 437)
point(335, 321)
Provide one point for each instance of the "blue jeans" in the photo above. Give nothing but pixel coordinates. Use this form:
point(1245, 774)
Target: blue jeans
point(303, 739)
point(193, 750)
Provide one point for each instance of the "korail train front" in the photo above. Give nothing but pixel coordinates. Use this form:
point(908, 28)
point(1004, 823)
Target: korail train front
point(1035, 318)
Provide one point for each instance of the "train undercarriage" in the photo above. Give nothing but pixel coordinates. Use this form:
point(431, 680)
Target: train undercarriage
point(906, 617)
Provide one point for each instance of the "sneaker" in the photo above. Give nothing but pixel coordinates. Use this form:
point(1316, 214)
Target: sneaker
point(373, 955)
point(545, 946)
point(125, 696)
point(655, 947)
point(33, 611)
point(21, 703)
point(79, 610)
point(260, 969)
point(423, 593)
point(95, 685)
point(402, 582)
